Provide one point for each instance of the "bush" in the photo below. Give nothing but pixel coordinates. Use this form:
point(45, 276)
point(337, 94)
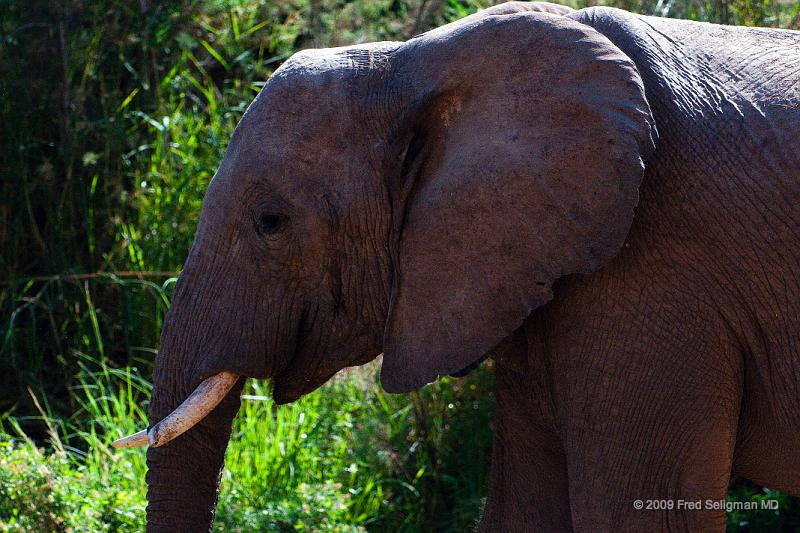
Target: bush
point(48, 493)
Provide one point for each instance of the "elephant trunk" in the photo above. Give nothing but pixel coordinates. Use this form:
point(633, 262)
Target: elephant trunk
point(191, 411)
point(183, 474)
point(209, 342)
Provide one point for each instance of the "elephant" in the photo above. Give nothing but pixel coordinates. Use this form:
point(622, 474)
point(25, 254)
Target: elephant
point(606, 204)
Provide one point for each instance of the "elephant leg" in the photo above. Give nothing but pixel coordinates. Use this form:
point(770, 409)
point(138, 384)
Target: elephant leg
point(528, 483)
point(648, 389)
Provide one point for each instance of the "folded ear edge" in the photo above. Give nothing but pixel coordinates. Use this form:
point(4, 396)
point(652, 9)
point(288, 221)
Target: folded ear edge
point(395, 380)
point(408, 365)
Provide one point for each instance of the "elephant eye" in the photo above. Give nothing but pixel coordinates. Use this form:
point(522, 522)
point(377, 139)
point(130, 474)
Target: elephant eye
point(270, 223)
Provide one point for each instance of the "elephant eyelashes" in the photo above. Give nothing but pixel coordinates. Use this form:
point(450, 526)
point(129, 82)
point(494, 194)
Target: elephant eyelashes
point(270, 224)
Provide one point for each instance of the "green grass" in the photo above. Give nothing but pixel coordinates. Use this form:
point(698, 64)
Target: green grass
point(344, 458)
point(113, 121)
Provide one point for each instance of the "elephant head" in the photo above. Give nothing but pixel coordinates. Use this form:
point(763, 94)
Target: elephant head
point(417, 199)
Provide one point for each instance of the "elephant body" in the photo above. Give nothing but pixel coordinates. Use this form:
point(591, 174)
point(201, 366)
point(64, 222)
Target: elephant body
point(607, 204)
point(677, 364)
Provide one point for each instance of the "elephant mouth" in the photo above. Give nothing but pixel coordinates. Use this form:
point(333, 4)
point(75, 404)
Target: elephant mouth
point(295, 378)
point(287, 388)
point(308, 370)
point(305, 373)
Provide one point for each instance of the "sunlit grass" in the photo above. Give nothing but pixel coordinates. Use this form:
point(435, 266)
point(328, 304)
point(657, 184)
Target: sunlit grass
point(343, 458)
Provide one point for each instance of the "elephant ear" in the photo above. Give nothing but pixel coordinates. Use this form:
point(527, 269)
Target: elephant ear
point(526, 138)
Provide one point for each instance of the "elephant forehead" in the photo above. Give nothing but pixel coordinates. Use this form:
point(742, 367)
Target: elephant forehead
point(300, 136)
point(305, 173)
point(318, 87)
point(315, 65)
point(299, 157)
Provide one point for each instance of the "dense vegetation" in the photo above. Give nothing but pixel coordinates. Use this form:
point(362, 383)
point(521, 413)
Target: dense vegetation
point(114, 118)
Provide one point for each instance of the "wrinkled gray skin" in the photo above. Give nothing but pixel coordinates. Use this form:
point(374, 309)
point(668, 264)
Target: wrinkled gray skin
point(428, 199)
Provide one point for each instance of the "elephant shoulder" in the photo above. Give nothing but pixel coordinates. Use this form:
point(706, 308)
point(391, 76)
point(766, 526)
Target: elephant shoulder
point(701, 68)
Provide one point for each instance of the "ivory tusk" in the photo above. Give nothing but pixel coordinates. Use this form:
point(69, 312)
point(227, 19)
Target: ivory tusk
point(132, 441)
point(202, 401)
